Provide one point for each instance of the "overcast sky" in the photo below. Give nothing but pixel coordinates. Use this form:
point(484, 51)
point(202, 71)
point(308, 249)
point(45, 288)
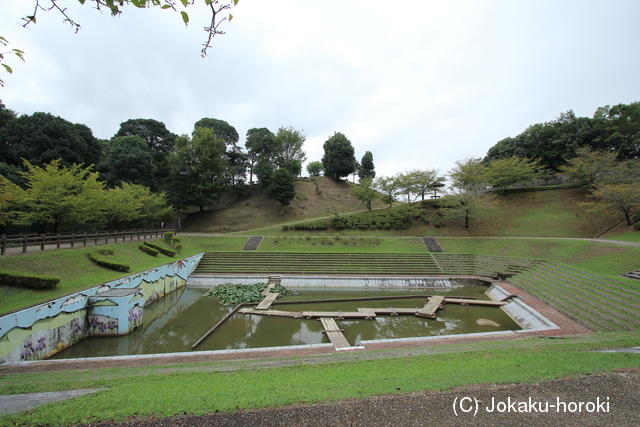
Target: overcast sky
point(419, 83)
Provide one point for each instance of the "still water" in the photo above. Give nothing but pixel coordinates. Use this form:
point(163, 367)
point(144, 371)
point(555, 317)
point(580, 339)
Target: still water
point(175, 322)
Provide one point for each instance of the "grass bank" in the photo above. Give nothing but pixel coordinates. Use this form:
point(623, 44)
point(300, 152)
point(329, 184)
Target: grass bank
point(601, 258)
point(209, 388)
point(77, 272)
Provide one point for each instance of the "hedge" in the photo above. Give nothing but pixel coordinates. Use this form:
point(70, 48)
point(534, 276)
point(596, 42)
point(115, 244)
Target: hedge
point(148, 250)
point(108, 264)
point(28, 280)
point(165, 251)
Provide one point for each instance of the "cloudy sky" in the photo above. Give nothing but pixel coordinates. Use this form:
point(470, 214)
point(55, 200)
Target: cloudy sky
point(419, 83)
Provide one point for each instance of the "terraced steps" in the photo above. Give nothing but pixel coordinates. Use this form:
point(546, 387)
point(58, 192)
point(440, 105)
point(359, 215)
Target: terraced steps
point(596, 302)
point(317, 263)
point(482, 265)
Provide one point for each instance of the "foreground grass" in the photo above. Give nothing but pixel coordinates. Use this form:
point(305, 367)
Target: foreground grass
point(601, 258)
point(184, 390)
point(77, 272)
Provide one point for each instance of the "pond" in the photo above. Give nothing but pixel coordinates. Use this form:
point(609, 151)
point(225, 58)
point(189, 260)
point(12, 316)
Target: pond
point(177, 321)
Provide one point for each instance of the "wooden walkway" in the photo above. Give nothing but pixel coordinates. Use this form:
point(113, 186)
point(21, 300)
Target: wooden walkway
point(340, 314)
point(265, 304)
point(334, 333)
point(487, 303)
point(429, 310)
point(268, 289)
point(277, 313)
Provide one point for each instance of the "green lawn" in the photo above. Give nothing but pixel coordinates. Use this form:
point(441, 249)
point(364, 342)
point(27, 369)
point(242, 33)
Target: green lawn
point(77, 272)
point(205, 389)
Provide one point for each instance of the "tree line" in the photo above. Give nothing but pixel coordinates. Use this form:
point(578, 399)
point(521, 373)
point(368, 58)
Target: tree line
point(181, 171)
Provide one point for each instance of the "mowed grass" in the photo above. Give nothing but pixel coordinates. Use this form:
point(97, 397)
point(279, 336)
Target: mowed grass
point(342, 244)
point(77, 272)
point(602, 258)
point(201, 389)
point(551, 213)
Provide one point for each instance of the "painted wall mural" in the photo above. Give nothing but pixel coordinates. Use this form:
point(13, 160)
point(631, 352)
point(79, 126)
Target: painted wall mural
point(113, 308)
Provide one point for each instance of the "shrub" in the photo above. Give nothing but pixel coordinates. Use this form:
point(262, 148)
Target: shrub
point(28, 280)
point(285, 227)
point(165, 251)
point(148, 250)
point(338, 226)
point(178, 248)
point(174, 241)
point(104, 251)
point(437, 223)
point(107, 264)
point(636, 226)
point(168, 236)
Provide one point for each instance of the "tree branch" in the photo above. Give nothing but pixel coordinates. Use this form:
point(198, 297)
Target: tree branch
point(212, 30)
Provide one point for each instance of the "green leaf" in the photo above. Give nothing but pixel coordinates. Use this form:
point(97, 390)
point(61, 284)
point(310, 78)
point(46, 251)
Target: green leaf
point(81, 1)
point(185, 17)
point(185, 3)
point(230, 17)
point(9, 70)
point(139, 3)
point(235, 2)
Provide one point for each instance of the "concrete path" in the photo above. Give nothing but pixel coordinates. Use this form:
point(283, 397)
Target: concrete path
point(14, 403)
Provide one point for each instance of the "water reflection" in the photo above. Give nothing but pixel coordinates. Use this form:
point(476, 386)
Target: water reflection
point(176, 322)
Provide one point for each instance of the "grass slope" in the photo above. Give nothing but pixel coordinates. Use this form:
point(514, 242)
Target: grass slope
point(77, 272)
point(601, 258)
point(315, 197)
point(551, 213)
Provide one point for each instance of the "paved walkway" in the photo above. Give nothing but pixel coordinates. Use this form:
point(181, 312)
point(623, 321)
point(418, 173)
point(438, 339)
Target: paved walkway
point(14, 403)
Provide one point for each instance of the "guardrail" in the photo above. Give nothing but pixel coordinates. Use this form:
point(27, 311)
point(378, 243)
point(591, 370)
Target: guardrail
point(57, 241)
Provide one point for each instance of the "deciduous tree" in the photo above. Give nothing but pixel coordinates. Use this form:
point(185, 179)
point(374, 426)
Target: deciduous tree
point(388, 187)
point(281, 188)
point(218, 9)
point(158, 138)
point(624, 196)
point(259, 143)
point(365, 192)
point(41, 138)
point(134, 205)
point(315, 168)
point(467, 202)
point(197, 169)
point(513, 170)
point(128, 159)
point(57, 195)
point(589, 165)
point(466, 172)
point(288, 143)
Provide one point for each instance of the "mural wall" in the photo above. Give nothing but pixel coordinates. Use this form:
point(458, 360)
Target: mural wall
point(113, 308)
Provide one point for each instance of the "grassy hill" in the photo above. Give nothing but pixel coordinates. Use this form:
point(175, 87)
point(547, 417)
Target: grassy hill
point(551, 213)
point(315, 197)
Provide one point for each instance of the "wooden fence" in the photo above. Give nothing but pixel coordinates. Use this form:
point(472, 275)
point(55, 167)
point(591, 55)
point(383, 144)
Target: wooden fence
point(57, 241)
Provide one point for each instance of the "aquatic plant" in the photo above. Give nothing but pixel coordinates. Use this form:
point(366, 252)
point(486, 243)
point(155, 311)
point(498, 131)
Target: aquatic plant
point(235, 294)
